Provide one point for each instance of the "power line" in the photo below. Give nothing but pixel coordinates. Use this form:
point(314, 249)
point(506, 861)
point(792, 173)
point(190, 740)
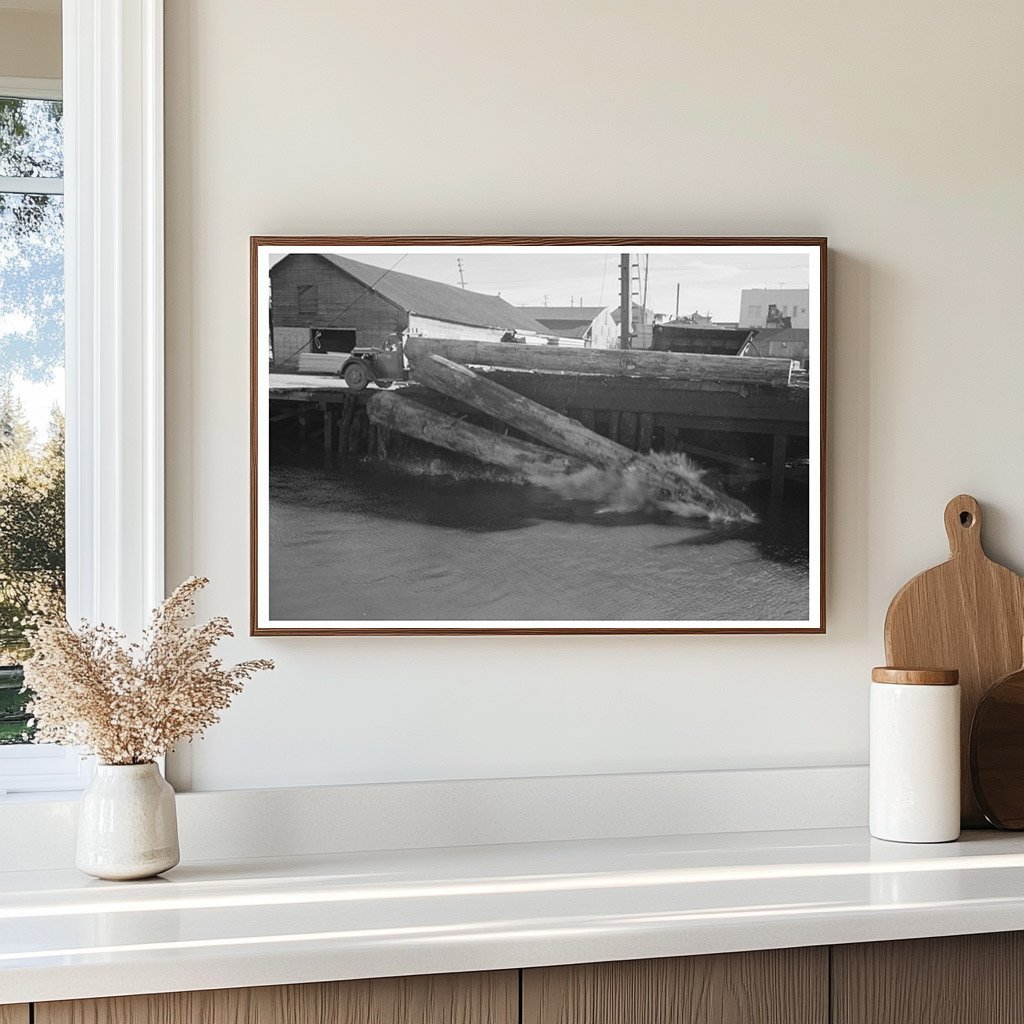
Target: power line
point(366, 289)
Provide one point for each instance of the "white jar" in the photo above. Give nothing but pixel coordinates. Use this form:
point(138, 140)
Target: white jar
point(915, 755)
point(127, 824)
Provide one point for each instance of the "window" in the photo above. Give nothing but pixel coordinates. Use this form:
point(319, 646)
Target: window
point(113, 337)
point(31, 383)
point(32, 536)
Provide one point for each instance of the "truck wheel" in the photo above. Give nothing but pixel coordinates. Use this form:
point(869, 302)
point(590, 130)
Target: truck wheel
point(356, 375)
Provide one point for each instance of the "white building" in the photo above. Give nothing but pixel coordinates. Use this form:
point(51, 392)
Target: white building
point(593, 325)
point(756, 307)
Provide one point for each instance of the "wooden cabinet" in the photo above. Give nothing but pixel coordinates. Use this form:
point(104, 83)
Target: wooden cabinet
point(491, 998)
point(964, 979)
point(972, 979)
point(780, 986)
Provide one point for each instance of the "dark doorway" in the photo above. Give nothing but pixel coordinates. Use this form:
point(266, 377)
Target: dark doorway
point(333, 340)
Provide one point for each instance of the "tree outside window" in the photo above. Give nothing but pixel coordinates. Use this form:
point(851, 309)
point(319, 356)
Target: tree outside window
point(31, 386)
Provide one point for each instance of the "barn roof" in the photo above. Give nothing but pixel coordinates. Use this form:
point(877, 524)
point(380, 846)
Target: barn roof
point(436, 300)
point(571, 331)
point(634, 306)
point(566, 313)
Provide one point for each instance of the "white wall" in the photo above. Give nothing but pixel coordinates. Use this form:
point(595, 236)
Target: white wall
point(29, 42)
point(894, 129)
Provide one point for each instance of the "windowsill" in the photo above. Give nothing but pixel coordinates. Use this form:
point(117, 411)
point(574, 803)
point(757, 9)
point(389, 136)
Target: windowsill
point(41, 797)
point(391, 913)
point(41, 772)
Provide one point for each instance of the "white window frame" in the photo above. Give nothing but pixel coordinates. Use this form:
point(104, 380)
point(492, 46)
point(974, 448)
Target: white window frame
point(37, 768)
point(114, 326)
point(31, 89)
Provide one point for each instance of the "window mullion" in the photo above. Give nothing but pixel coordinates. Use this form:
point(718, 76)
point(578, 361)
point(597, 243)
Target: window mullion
point(32, 186)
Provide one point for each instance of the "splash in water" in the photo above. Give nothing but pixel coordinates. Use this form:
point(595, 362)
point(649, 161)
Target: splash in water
point(655, 482)
point(662, 483)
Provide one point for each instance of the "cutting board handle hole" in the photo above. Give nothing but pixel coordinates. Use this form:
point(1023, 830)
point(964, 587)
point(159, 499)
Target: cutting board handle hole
point(962, 518)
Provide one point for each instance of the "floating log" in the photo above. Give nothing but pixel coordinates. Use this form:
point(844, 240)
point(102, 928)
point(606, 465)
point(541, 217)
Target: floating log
point(668, 484)
point(392, 412)
point(609, 362)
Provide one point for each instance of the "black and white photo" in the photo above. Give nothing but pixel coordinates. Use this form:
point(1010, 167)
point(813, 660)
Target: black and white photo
point(539, 435)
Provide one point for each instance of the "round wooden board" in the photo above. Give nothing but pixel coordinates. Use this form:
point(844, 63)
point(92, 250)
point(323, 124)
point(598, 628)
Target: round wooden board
point(967, 613)
point(997, 752)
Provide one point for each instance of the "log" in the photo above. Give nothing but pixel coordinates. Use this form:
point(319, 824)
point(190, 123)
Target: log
point(389, 411)
point(609, 362)
point(538, 421)
point(669, 483)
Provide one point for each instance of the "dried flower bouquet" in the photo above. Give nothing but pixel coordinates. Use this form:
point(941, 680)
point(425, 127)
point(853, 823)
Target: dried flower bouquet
point(130, 703)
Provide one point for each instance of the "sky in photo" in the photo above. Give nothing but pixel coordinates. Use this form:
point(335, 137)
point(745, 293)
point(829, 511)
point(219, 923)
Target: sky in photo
point(709, 282)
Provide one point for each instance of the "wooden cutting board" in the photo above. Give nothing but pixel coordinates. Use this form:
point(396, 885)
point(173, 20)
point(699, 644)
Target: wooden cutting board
point(967, 614)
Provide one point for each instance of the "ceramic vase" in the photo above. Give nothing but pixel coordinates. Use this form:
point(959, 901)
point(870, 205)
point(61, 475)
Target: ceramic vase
point(127, 825)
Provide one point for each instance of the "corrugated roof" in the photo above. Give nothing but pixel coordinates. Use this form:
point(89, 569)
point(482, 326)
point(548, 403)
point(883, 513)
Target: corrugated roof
point(433, 299)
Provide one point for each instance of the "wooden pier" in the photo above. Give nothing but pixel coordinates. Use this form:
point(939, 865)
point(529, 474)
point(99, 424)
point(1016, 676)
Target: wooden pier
point(740, 413)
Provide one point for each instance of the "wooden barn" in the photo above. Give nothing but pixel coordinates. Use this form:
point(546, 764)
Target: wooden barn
point(323, 304)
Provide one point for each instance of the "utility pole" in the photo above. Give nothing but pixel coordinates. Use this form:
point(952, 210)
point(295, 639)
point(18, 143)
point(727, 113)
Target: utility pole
point(641, 330)
point(677, 299)
point(462, 278)
point(624, 301)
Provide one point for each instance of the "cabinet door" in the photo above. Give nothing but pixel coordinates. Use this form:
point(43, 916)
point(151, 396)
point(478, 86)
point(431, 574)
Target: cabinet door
point(963, 979)
point(780, 986)
point(14, 1014)
point(491, 998)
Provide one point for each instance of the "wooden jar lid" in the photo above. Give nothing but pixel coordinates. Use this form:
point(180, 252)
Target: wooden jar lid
point(916, 676)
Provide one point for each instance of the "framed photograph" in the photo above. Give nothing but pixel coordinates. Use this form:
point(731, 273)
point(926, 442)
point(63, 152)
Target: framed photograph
point(537, 435)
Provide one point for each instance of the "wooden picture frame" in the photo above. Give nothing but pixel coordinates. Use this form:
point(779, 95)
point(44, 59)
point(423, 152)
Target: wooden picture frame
point(702, 392)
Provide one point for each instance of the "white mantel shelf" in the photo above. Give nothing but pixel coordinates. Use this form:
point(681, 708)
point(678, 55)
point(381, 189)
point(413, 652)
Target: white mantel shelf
point(225, 924)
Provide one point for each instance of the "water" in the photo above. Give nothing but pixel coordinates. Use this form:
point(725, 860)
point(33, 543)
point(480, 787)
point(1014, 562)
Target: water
point(439, 540)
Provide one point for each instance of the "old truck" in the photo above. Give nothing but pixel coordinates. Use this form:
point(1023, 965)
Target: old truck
point(380, 366)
